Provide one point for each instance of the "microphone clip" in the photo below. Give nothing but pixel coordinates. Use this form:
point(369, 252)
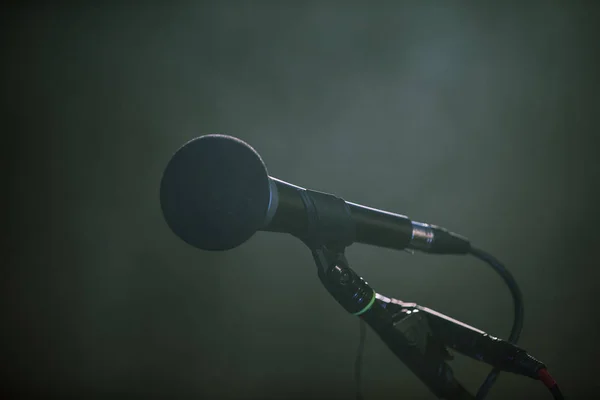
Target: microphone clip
point(418, 336)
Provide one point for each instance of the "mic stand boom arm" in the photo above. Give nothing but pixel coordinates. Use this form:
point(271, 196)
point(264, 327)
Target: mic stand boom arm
point(402, 327)
point(418, 336)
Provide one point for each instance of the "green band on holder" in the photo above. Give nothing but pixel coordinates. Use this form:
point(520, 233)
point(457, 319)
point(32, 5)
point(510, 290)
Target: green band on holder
point(367, 307)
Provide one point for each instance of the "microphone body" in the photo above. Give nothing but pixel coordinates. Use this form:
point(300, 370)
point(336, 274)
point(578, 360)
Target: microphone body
point(371, 226)
point(216, 193)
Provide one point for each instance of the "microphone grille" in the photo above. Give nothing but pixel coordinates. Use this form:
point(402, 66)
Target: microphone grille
point(215, 192)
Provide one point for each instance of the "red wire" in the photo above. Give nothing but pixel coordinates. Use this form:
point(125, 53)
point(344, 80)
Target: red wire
point(546, 378)
point(551, 384)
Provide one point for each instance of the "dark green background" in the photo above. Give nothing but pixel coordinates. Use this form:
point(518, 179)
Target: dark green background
point(480, 118)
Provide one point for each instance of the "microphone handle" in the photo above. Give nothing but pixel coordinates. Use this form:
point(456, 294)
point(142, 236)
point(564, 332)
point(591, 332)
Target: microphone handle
point(342, 223)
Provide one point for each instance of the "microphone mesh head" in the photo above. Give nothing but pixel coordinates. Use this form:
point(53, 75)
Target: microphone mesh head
point(215, 192)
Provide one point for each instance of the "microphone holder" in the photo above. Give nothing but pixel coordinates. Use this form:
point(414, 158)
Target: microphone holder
point(406, 328)
point(418, 336)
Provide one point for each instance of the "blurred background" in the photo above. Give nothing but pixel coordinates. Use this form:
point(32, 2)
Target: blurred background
point(476, 117)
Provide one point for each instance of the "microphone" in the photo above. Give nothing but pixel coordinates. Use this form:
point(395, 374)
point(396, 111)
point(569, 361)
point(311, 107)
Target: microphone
point(216, 193)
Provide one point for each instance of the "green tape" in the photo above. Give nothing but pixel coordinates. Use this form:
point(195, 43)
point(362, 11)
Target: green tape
point(367, 307)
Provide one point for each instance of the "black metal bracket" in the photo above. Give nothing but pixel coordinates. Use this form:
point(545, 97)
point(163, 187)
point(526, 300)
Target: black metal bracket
point(403, 329)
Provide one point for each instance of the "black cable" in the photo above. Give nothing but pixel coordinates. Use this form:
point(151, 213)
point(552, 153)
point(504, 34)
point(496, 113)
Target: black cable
point(518, 312)
point(359, 356)
point(556, 393)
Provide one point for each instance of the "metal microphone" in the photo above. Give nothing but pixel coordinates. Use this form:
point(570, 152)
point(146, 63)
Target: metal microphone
point(216, 193)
